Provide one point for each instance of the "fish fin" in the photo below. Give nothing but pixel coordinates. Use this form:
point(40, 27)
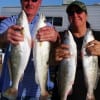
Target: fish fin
point(36, 78)
point(9, 67)
point(21, 77)
point(30, 43)
point(70, 92)
point(98, 77)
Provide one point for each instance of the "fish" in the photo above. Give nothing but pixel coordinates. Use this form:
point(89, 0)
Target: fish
point(90, 67)
point(41, 52)
point(19, 57)
point(67, 68)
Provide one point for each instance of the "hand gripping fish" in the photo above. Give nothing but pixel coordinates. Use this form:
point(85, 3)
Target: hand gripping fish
point(41, 56)
point(67, 68)
point(90, 66)
point(19, 57)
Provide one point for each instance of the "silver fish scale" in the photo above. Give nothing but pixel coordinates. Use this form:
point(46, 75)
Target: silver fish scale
point(67, 68)
point(19, 58)
point(90, 66)
point(41, 57)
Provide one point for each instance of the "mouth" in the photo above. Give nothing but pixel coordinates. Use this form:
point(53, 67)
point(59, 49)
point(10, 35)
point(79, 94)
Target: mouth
point(29, 7)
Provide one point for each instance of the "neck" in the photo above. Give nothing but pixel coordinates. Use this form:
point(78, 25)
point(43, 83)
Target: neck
point(79, 31)
point(30, 18)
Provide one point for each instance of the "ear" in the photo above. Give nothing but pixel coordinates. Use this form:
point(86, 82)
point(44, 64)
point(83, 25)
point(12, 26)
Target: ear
point(40, 1)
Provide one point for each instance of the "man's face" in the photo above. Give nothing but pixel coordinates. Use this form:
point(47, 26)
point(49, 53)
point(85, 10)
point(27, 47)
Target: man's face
point(31, 6)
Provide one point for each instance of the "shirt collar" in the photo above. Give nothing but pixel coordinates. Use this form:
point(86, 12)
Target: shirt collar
point(34, 19)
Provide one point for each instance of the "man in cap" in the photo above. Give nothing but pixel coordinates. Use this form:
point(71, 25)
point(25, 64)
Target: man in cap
point(28, 88)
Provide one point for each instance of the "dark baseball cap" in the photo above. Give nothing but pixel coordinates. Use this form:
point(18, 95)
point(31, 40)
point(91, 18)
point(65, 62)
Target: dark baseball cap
point(80, 4)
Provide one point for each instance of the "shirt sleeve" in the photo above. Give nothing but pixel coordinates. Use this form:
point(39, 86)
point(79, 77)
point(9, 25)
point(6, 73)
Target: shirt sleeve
point(6, 23)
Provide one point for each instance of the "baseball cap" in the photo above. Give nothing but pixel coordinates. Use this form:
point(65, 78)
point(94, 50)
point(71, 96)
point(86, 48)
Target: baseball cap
point(80, 4)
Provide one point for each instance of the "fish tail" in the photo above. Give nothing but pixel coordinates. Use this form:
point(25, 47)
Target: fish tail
point(66, 94)
point(44, 92)
point(64, 97)
point(10, 93)
point(45, 97)
point(90, 97)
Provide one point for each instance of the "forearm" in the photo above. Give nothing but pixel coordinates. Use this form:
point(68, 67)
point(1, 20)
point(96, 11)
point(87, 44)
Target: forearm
point(3, 40)
point(54, 45)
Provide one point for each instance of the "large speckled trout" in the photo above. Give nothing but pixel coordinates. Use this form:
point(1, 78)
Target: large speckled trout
point(19, 57)
point(67, 68)
point(41, 57)
point(90, 66)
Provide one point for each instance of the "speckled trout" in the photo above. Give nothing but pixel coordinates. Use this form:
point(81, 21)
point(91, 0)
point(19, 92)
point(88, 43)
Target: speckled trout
point(67, 68)
point(90, 66)
point(19, 57)
point(41, 56)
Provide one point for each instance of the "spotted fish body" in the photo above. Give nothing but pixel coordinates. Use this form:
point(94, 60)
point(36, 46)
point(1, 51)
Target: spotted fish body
point(41, 56)
point(67, 68)
point(90, 66)
point(19, 56)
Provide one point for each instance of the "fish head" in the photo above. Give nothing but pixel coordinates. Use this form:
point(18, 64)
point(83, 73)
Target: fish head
point(42, 21)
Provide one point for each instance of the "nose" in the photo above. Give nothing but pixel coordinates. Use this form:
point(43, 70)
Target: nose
point(75, 14)
point(30, 2)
